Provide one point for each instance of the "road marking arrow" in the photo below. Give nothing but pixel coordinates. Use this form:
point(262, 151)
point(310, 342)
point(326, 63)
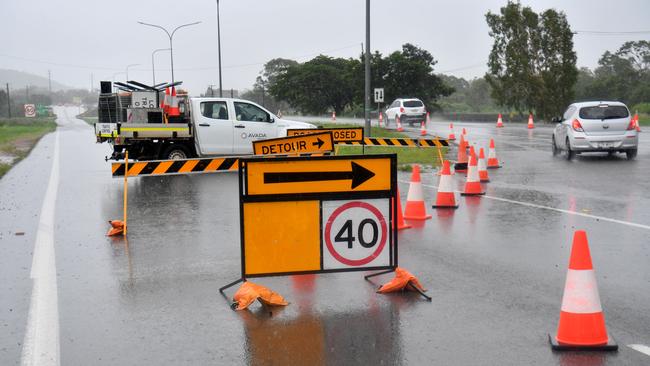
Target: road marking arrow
point(358, 175)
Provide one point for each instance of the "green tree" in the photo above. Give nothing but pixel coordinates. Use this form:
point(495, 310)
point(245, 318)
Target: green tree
point(532, 61)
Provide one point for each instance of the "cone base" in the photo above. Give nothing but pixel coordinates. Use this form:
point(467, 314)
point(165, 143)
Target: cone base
point(403, 226)
point(472, 194)
point(557, 346)
point(460, 167)
point(445, 206)
point(495, 167)
point(484, 180)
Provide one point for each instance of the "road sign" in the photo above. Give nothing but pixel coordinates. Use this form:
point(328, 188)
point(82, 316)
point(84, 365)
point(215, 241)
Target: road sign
point(143, 99)
point(174, 167)
point(295, 145)
point(324, 218)
point(335, 174)
point(342, 134)
point(379, 95)
point(30, 110)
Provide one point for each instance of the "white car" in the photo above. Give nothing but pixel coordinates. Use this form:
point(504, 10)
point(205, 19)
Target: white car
point(409, 111)
point(595, 127)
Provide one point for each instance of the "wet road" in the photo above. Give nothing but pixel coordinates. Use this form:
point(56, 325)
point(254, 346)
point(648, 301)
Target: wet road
point(495, 267)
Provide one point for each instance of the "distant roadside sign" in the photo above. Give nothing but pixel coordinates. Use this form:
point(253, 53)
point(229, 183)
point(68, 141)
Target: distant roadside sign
point(295, 145)
point(340, 135)
point(379, 95)
point(30, 110)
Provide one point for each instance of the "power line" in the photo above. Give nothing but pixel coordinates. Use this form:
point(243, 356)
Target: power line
point(612, 33)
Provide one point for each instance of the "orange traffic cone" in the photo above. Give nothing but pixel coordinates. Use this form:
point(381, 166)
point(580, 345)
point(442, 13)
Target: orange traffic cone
point(636, 122)
point(399, 124)
point(415, 209)
point(166, 101)
point(492, 162)
point(445, 197)
point(452, 136)
point(473, 185)
point(499, 121)
point(117, 227)
point(461, 163)
point(531, 125)
point(482, 167)
point(173, 107)
point(381, 119)
point(423, 129)
point(400, 217)
point(333, 115)
point(428, 119)
point(582, 322)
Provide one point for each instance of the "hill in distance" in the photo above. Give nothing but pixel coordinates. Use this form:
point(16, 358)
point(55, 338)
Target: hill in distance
point(19, 79)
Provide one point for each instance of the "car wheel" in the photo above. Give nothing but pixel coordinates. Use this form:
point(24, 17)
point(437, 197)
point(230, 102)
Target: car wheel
point(554, 146)
point(176, 152)
point(570, 154)
point(631, 154)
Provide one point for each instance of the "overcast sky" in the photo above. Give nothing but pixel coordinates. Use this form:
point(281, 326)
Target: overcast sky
point(77, 38)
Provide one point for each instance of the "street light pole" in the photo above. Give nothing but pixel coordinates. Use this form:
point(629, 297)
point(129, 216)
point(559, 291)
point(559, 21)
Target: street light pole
point(153, 66)
point(171, 36)
point(366, 99)
point(127, 71)
point(219, 50)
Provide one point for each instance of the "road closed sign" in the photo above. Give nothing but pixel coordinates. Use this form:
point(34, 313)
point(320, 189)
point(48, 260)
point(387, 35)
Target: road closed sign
point(340, 135)
point(295, 145)
point(317, 214)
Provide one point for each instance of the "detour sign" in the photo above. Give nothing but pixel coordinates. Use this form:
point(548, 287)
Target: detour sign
point(295, 145)
point(354, 134)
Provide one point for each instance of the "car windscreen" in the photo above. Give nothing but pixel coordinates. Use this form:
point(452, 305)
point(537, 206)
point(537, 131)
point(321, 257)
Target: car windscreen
point(412, 103)
point(604, 112)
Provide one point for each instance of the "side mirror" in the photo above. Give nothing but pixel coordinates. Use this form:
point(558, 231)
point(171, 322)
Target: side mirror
point(556, 119)
point(271, 120)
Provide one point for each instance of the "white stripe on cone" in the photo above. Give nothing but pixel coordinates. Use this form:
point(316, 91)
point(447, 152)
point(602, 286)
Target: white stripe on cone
point(581, 293)
point(482, 165)
point(445, 185)
point(415, 192)
point(472, 174)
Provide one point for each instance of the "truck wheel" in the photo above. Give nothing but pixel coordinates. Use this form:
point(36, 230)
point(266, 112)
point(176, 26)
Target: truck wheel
point(176, 152)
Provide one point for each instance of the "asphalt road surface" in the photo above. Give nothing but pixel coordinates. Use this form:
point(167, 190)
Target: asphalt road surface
point(495, 267)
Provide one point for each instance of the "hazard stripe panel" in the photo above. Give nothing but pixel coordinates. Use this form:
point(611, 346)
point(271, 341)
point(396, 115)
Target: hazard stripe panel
point(169, 167)
point(400, 142)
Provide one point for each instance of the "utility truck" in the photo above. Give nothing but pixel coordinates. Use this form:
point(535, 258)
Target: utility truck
point(133, 119)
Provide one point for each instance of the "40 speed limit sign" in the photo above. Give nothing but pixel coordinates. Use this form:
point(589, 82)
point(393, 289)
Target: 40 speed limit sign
point(355, 233)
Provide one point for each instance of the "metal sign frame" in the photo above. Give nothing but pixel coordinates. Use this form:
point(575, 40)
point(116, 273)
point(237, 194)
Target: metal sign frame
point(389, 194)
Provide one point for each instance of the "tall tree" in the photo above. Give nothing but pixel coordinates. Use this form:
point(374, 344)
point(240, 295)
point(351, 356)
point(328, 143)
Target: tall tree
point(532, 58)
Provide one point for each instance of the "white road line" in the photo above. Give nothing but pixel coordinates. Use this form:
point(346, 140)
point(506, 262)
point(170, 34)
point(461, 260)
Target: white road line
point(533, 205)
point(641, 348)
point(41, 344)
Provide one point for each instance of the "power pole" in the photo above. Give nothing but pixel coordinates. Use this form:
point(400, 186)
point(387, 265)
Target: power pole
point(8, 102)
point(366, 99)
point(219, 50)
point(49, 80)
point(26, 93)
point(92, 82)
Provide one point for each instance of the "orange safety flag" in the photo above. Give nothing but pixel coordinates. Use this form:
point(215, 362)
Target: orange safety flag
point(249, 292)
point(402, 279)
point(117, 227)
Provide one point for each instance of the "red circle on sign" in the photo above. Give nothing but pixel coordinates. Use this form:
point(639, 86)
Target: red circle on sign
point(328, 230)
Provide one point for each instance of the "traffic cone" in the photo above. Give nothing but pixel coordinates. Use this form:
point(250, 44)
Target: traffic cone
point(445, 197)
point(428, 119)
point(415, 209)
point(381, 119)
point(400, 218)
point(531, 125)
point(173, 107)
point(582, 322)
point(399, 124)
point(423, 129)
point(492, 162)
point(473, 185)
point(636, 122)
point(166, 101)
point(499, 121)
point(482, 167)
point(461, 162)
point(464, 132)
point(452, 136)
point(333, 115)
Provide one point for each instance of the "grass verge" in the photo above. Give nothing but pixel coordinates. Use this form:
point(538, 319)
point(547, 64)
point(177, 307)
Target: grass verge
point(19, 135)
point(644, 119)
point(406, 156)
